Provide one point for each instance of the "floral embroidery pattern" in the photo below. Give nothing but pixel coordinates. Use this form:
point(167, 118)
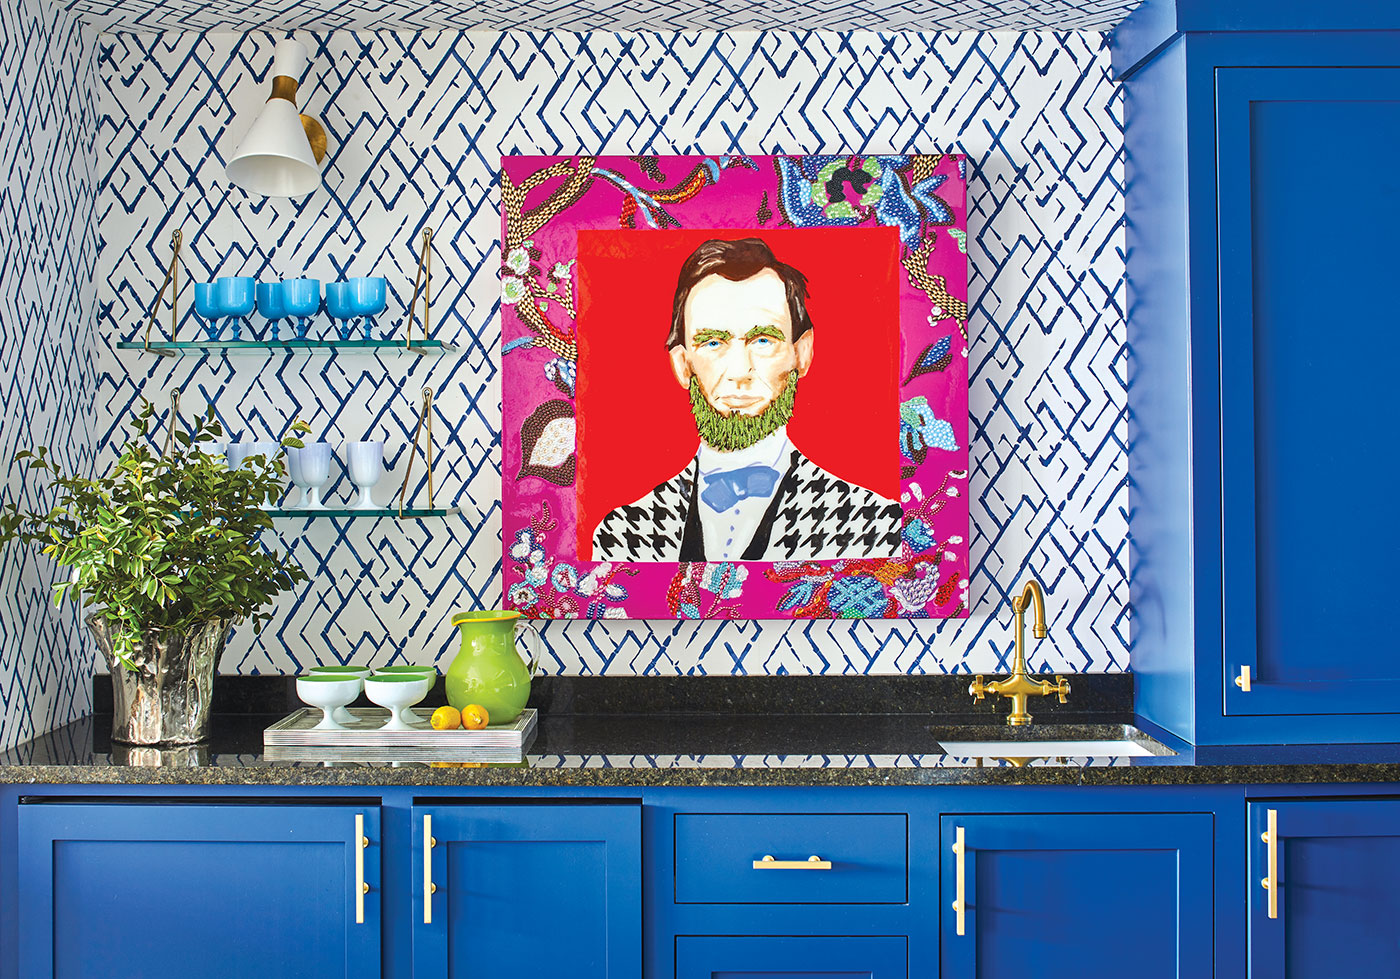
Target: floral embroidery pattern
point(554, 589)
point(724, 580)
point(858, 589)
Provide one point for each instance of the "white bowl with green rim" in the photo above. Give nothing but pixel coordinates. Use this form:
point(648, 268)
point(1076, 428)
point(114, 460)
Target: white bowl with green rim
point(398, 692)
point(330, 692)
point(341, 715)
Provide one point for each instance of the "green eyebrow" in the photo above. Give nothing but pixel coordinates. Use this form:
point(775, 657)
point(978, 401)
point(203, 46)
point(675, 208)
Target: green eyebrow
point(705, 336)
point(771, 332)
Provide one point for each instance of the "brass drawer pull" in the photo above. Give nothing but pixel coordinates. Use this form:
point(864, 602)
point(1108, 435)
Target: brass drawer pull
point(960, 903)
point(361, 887)
point(811, 863)
point(1270, 883)
point(429, 888)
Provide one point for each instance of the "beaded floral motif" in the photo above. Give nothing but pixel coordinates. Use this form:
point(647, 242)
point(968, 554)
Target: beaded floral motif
point(553, 589)
point(724, 580)
point(859, 589)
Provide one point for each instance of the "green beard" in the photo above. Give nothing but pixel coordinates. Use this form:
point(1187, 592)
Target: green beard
point(730, 433)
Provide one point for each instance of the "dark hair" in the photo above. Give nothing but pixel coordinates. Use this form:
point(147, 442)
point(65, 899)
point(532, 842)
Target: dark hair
point(736, 260)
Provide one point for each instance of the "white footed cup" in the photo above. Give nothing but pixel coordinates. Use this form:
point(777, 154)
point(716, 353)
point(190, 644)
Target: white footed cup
point(365, 461)
point(398, 692)
point(328, 692)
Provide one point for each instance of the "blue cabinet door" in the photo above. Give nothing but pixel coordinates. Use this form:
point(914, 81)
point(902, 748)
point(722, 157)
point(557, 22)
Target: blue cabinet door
point(1335, 899)
point(1076, 896)
point(528, 889)
point(161, 890)
point(1308, 207)
point(791, 957)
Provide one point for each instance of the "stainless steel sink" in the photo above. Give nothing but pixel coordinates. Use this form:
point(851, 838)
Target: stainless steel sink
point(1048, 741)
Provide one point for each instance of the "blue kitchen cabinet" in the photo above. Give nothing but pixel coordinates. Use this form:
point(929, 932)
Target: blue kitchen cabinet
point(1076, 896)
point(1331, 906)
point(528, 889)
point(1304, 401)
point(144, 889)
point(791, 957)
point(1261, 198)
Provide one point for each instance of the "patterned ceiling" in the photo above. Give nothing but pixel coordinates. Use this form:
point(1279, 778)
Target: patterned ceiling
point(606, 15)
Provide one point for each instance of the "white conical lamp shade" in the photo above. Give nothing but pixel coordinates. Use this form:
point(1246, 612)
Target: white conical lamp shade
point(275, 158)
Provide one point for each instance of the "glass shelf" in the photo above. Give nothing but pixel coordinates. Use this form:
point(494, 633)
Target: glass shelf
point(186, 348)
point(388, 511)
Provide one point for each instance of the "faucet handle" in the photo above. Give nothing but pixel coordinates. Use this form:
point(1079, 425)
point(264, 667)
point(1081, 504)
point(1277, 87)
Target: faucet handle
point(1062, 688)
point(978, 687)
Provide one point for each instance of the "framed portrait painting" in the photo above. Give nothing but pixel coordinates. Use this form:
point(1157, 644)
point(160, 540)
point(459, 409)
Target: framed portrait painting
point(735, 387)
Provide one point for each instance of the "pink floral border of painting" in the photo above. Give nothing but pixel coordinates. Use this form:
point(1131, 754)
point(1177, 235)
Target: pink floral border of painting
point(547, 200)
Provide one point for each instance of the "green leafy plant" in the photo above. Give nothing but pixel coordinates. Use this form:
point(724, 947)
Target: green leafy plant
point(163, 541)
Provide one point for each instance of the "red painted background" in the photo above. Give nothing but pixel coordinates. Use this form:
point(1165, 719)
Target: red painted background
point(635, 429)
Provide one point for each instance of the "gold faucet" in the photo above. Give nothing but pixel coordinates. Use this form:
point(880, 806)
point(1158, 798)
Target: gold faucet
point(1019, 686)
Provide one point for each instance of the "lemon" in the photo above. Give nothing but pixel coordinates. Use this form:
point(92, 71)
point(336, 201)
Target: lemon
point(446, 718)
point(475, 717)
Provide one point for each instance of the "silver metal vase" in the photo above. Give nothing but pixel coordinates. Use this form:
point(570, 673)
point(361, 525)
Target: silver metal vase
point(165, 700)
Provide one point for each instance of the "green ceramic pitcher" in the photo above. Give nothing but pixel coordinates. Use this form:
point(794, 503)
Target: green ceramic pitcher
point(489, 671)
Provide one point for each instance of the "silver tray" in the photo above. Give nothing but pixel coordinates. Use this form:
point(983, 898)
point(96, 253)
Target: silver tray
point(504, 742)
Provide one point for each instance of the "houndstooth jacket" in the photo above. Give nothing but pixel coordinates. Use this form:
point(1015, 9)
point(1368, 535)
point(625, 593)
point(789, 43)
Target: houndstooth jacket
point(812, 516)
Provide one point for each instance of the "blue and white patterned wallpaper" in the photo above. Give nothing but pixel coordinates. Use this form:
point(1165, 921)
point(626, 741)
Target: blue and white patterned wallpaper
point(417, 123)
point(602, 15)
point(47, 252)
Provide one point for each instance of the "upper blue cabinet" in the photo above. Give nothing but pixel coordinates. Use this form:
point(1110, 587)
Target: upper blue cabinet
point(1262, 203)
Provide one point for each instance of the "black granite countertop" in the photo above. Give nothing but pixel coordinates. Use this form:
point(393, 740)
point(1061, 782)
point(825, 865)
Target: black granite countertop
point(733, 732)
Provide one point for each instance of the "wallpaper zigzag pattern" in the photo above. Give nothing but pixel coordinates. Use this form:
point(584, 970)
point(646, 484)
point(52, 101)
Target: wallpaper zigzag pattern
point(47, 253)
point(417, 123)
point(601, 15)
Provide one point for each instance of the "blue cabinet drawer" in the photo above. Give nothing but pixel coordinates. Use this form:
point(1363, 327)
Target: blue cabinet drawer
point(867, 854)
point(791, 957)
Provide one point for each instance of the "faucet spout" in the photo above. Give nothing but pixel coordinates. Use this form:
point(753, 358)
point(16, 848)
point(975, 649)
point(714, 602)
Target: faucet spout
point(1031, 593)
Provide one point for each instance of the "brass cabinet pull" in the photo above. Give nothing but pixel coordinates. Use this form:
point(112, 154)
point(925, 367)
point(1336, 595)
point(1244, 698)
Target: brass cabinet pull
point(1242, 681)
point(429, 888)
point(960, 902)
point(813, 862)
point(361, 888)
point(1270, 883)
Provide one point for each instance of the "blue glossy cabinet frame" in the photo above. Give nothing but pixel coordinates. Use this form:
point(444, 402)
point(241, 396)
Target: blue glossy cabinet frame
point(1332, 873)
point(1260, 202)
point(224, 891)
point(1080, 896)
point(528, 889)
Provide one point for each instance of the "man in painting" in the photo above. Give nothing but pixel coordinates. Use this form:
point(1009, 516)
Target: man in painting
point(740, 340)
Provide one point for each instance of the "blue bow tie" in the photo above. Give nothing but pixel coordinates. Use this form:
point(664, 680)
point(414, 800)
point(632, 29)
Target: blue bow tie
point(723, 490)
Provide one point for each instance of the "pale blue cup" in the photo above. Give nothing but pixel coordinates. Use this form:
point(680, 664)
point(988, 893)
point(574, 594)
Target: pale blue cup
point(339, 307)
point(206, 307)
point(271, 306)
point(235, 296)
point(369, 296)
point(301, 298)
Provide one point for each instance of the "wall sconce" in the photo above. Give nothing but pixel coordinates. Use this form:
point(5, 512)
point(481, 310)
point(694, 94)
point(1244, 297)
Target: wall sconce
point(281, 154)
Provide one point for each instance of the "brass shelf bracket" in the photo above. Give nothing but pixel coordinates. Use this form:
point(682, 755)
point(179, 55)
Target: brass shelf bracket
point(172, 278)
point(422, 279)
point(425, 416)
point(174, 422)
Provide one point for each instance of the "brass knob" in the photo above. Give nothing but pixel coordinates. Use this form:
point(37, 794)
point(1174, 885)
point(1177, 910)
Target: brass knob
point(364, 888)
